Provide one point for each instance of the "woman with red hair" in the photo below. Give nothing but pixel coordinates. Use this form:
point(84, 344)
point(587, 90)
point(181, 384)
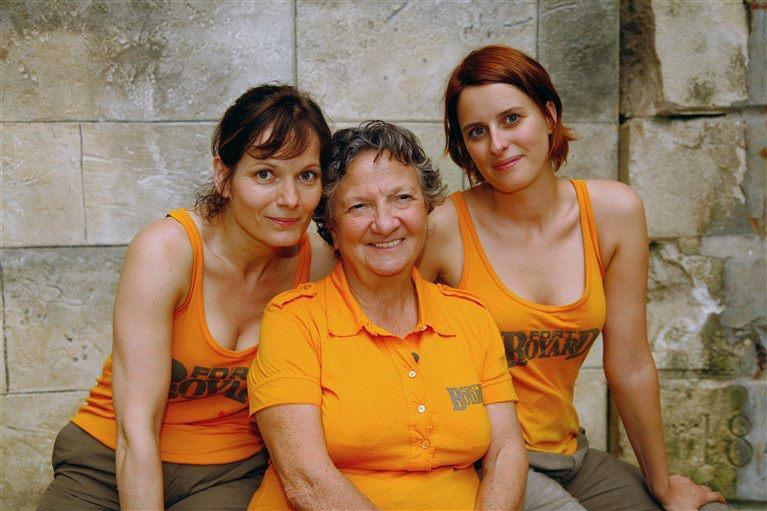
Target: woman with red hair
point(556, 261)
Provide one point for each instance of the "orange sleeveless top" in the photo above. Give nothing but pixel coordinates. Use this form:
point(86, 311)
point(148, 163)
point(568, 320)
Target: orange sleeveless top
point(206, 418)
point(545, 344)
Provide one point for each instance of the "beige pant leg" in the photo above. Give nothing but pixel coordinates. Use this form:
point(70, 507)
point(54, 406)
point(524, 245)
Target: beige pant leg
point(545, 494)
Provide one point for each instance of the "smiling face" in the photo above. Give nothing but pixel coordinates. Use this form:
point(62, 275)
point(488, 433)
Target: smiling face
point(272, 200)
point(379, 217)
point(506, 135)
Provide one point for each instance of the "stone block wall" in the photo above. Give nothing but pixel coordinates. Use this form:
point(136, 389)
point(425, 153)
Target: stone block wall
point(693, 135)
point(106, 116)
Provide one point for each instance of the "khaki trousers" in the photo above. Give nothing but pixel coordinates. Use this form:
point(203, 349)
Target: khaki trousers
point(84, 479)
point(589, 480)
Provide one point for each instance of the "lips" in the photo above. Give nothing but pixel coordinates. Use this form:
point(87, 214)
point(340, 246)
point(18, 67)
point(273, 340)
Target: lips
point(284, 223)
point(507, 163)
point(387, 244)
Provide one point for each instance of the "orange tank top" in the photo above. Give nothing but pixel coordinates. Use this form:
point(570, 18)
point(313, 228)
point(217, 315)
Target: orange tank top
point(206, 417)
point(545, 345)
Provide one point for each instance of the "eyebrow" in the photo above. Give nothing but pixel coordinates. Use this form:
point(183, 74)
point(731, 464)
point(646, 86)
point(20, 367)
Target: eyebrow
point(395, 191)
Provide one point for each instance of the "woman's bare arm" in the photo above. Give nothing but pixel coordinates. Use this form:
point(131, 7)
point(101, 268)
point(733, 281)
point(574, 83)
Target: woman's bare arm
point(296, 442)
point(629, 366)
point(504, 467)
point(153, 280)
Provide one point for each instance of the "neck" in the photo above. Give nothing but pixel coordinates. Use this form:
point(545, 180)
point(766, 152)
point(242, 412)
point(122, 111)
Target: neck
point(242, 253)
point(535, 205)
point(383, 299)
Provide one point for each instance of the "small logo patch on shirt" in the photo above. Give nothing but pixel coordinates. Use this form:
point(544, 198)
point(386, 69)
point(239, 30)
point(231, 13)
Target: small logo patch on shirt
point(462, 397)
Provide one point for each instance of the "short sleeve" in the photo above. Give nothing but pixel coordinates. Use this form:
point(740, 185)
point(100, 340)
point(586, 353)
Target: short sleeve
point(496, 379)
point(286, 369)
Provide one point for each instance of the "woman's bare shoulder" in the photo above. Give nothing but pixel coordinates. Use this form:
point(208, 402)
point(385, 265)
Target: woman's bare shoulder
point(323, 257)
point(611, 198)
point(441, 258)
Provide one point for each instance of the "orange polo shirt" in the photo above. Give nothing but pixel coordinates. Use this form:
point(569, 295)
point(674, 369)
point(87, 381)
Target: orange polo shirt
point(404, 418)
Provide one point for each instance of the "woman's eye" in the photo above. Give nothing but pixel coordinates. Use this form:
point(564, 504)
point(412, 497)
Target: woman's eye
point(405, 197)
point(476, 132)
point(308, 176)
point(263, 175)
point(512, 119)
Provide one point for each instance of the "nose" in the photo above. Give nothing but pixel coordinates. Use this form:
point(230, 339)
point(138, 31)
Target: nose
point(384, 222)
point(287, 195)
point(498, 142)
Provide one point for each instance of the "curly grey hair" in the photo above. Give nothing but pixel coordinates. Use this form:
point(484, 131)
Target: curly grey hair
point(376, 136)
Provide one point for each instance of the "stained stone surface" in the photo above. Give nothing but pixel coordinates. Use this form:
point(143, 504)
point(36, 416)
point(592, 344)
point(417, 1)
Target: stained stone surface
point(29, 427)
point(432, 137)
point(689, 174)
point(680, 56)
point(578, 45)
point(134, 173)
point(3, 385)
point(684, 291)
point(42, 198)
point(594, 155)
point(714, 433)
point(139, 60)
point(591, 403)
point(58, 305)
point(391, 59)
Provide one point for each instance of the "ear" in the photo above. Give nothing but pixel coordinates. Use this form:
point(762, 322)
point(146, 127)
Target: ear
point(220, 173)
point(551, 119)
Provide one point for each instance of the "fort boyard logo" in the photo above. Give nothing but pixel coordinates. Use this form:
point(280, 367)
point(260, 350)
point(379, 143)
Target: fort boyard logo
point(524, 346)
point(207, 381)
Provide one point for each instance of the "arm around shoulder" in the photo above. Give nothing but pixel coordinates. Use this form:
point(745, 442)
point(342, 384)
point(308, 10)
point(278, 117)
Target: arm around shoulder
point(153, 280)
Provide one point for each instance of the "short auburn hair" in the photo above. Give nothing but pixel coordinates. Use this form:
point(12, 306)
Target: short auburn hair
point(502, 64)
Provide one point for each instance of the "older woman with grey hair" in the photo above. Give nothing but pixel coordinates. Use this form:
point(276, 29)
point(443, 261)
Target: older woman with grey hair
point(372, 387)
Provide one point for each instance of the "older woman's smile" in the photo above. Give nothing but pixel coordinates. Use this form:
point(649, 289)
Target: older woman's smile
point(380, 224)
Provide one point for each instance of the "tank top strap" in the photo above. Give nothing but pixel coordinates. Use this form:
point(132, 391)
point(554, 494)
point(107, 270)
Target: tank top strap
point(304, 261)
point(588, 222)
point(469, 238)
point(182, 216)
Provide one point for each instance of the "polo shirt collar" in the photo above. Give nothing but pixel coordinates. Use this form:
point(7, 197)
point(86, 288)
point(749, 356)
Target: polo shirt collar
point(346, 318)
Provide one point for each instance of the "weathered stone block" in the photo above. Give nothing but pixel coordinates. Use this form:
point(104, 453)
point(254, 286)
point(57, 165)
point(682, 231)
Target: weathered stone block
point(139, 60)
point(432, 137)
point(714, 434)
point(41, 182)
point(3, 381)
point(135, 173)
point(680, 56)
point(688, 173)
point(58, 305)
point(29, 427)
point(595, 154)
point(590, 400)
point(683, 292)
point(745, 291)
point(578, 44)
point(390, 60)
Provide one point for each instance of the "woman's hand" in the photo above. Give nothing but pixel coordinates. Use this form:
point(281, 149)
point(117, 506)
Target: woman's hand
point(683, 494)
point(154, 278)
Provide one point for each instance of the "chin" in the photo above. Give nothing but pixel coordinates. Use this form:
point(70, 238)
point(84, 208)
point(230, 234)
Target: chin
point(390, 269)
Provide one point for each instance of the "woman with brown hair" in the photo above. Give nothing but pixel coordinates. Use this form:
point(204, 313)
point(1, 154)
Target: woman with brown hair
point(556, 261)
point(167, 425)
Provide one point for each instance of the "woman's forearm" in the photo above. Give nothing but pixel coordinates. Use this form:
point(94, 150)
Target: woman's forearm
point(503, 479)
point(326, 489)
point(139, 474)
point(637, 396)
